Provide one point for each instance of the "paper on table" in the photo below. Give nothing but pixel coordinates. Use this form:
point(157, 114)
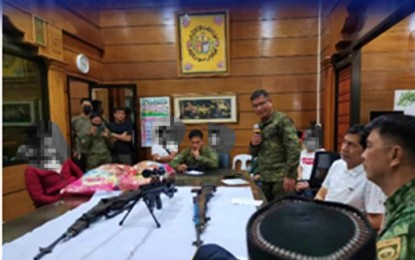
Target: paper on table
point(193, 172)
point(244, 201)
point(234, 181)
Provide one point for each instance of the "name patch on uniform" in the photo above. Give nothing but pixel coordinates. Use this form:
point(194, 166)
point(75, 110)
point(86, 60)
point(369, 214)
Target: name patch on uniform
point(389, 249)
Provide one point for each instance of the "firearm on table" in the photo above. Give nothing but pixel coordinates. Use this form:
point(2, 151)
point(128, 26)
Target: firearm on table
point(200, 218)
point(113, 206)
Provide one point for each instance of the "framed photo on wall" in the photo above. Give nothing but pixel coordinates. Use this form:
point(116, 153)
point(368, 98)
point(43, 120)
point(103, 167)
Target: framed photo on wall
point(203, 43)
point(206, 109)
point(18, 113)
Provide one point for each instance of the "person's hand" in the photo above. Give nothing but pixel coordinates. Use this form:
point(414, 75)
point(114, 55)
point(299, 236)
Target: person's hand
point(289, 184)
point(93, 130)
point(257, 177)
point(106, 133)
point(195, 153)
point(300, 186)
point(182, 167)
point(255, 139)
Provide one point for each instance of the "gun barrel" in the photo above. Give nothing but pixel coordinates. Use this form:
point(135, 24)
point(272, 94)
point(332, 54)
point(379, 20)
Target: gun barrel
point(46, 250)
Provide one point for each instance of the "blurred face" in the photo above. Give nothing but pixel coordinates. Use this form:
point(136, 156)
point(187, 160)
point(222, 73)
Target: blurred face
point(96, 121)
point(262, 107)
point(86, 103)
point(119, 115)
point(351, 150)
point(377, 156)
point(196, 143)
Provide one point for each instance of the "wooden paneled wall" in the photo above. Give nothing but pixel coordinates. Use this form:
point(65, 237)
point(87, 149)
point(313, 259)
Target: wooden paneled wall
point(68, 34)
point(272, 46)
point(16, 200)
point(334, 13)
point(388, 64)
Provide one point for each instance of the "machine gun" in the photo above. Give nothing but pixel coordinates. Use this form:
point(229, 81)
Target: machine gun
point(203, 195)
point(113, 206)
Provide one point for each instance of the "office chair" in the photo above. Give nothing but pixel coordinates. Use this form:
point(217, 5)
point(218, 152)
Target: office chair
point(322, 163)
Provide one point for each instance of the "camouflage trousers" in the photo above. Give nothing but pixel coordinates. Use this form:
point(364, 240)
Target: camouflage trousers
point(273, 190)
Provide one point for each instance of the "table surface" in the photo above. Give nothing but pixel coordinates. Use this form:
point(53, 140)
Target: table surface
point(18, 227)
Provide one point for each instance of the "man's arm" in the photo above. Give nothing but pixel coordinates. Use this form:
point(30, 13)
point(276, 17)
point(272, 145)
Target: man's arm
point(375, 220)
point(179, 159)
point(292, 147)
point(321, 194)
point(209, 158)
point(35, 189)
point(125, 137)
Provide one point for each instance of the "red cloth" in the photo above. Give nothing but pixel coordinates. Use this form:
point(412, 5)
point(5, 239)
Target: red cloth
point(44, 185)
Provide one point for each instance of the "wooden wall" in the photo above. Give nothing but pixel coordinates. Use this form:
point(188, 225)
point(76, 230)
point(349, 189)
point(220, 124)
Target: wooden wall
point(272, 46)
point(388, 64)
point(68, 33)
point(334, 13)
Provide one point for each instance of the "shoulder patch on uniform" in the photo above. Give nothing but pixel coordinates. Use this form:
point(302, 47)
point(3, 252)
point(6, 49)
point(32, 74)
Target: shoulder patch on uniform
point(389, 249)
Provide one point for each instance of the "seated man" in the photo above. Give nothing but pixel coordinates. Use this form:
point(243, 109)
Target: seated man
point(346, 180)
point(45, 150)
point(163, 150)
point(197, 156)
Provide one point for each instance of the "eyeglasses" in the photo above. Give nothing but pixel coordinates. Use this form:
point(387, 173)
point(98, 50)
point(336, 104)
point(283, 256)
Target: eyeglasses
point(259, 105)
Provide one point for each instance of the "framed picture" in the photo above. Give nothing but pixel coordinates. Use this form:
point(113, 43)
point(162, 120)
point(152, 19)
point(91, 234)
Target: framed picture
point(18, 113)
point(39, 31)
point(206, 109)
point(203, 43)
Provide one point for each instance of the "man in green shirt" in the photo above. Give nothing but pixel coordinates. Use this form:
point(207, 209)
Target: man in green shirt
point(390, 163)
point(277, 147)
point(197, 156)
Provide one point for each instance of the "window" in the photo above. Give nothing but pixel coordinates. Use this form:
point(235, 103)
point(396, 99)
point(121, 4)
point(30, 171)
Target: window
point(24, 99)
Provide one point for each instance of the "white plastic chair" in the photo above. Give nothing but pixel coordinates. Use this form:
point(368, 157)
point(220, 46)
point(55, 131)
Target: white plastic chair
point(244, 159)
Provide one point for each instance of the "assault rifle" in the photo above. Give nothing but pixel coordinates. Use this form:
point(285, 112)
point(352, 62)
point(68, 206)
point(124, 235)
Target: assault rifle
point(113, 206)
point(200, 218)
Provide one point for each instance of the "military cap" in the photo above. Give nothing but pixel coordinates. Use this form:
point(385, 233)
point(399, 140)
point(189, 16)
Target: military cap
point(299, 228)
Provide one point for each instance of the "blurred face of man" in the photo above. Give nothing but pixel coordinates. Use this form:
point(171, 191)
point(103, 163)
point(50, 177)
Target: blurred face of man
point(119, 116)
point(96, 121)
point(262, 107)
point(377, 156)
point(351, 150)
point(196, 143)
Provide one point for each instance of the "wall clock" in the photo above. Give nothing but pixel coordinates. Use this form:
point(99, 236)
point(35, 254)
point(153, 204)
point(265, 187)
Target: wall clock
point(82, 63)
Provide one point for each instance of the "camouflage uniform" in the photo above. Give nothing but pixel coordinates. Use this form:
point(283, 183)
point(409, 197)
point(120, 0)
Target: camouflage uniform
point(97, 149)
point(278, 154)
point(208, 159)
point(81, 127)
point(397, 239)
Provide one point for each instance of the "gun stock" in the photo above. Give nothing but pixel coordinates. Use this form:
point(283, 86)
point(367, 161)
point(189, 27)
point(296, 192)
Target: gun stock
point(200, 218)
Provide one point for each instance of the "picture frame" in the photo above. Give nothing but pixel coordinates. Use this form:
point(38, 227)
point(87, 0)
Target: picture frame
point(18, 113)
point(206, 109)
point(203, 43)
point(39, 31)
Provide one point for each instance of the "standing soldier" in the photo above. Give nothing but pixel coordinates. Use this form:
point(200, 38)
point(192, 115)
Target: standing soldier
point(390, 163)
point(81, 125)
point(276, 146)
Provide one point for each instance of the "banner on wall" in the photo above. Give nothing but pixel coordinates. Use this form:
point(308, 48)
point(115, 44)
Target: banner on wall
point(153, 112)
point(405, 101)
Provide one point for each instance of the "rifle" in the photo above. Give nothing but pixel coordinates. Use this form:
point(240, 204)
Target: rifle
point(113, 206)
point(203, 195)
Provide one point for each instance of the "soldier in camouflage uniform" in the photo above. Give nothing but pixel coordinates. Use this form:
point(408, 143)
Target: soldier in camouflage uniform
point(276, 146)
point(390, 163)
point(97, 144)
point(197, 156)
point(80, 128)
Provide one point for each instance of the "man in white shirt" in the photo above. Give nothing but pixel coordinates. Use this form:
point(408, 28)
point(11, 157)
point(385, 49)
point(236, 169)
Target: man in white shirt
point(346, 180)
